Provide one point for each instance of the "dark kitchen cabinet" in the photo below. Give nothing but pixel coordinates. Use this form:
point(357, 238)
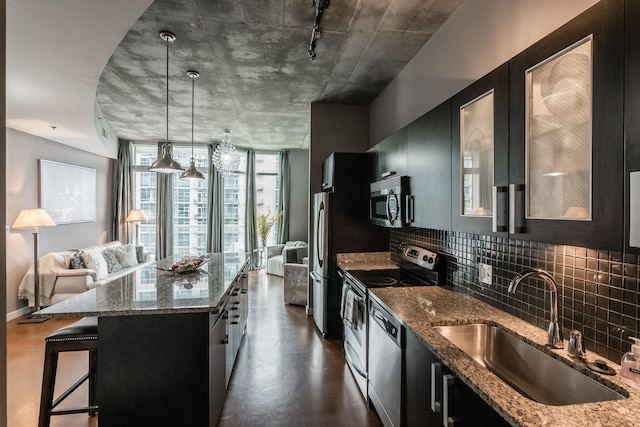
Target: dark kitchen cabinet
point(391, 155)
point(427, 380)
point(480, 155)
point(558, 63)
point(340, 167)
point(236, 313)
point(217, 359)
point(429, 168)
point(631, 122)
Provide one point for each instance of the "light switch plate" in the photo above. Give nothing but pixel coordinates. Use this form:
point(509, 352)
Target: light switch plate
point(7, 229)
point(486, 274)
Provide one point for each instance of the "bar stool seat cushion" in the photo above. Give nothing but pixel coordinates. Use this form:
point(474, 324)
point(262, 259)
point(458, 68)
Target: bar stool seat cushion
point(86, 328)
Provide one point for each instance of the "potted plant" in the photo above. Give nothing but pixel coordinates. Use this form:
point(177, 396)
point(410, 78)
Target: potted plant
point(264, 222)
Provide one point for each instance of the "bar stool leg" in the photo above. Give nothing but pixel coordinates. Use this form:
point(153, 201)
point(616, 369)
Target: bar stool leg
point(93, 380)
point(48, 386)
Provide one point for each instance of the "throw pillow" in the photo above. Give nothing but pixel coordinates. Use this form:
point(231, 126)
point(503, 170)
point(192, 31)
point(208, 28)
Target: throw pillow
point(76, 260)
point(140, 254)
point(94, 260)
point(111, 261)
point(126, 255)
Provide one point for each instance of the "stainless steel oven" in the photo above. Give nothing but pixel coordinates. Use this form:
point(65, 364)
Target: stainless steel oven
point(353, 312)
point(390, 204)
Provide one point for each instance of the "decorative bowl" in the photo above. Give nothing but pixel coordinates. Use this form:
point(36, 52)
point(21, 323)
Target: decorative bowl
point(188, 264)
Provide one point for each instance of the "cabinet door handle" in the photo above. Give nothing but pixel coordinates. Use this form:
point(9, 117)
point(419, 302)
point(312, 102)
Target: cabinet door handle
point(436, 368)
point(409, 202)
point(500, 209)
point(447, 381)
point(516, 208)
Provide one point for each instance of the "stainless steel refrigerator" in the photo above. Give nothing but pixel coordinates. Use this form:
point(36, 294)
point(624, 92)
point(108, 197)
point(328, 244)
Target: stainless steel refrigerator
point(341, 224)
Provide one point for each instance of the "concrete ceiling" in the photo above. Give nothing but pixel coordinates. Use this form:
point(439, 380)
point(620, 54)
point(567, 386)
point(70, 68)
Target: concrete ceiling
point(256, 78)
point(64, 57)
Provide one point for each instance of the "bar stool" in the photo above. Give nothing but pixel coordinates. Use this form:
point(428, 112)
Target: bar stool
point(79, 336)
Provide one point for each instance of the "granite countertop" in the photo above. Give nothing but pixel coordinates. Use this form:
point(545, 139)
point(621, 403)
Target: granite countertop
point(421, 308)
point(365, 261)
point(150, 290)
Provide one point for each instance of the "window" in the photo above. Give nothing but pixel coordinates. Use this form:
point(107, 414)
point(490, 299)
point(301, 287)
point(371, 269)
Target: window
point(268, 187)
point(235, 190)
point(190, 199)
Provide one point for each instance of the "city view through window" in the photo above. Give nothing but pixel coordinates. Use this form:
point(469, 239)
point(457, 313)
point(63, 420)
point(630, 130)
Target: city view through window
point(190, 199)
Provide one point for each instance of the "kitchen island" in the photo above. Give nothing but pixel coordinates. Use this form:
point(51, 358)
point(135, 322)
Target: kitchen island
point(167, 342)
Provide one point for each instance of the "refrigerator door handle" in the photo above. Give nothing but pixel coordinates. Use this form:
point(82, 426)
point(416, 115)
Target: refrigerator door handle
point(315, 277)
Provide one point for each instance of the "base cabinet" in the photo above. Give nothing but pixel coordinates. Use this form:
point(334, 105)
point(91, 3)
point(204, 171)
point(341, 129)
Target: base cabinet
point(434, 396)
point(217, 359)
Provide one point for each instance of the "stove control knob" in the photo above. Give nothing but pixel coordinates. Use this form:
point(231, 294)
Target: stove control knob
point(430, 261)
point(425, 258)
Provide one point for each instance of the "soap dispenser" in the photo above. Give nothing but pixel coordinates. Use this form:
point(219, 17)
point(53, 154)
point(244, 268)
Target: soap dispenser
point(630, 365)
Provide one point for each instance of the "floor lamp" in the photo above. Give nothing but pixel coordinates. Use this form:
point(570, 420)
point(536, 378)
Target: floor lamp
point(34, 218)
point(137, 216)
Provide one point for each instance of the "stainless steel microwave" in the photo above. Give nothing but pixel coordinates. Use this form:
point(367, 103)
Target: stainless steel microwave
point(390, 204)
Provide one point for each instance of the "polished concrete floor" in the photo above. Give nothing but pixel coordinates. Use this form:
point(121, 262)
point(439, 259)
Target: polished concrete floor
point(285, 375)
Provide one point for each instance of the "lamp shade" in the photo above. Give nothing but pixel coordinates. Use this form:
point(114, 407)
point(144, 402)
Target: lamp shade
point(137, 215)
point(33, 218)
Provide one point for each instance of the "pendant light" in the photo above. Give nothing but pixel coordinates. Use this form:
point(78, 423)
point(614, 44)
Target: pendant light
point(192, 172)
point(225, 157)
point(166, 164)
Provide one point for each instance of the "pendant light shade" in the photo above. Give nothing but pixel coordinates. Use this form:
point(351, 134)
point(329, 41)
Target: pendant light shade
point(166, 164)
point(192, 172)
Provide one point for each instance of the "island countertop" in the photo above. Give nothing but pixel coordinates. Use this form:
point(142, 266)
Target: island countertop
point(152, 290)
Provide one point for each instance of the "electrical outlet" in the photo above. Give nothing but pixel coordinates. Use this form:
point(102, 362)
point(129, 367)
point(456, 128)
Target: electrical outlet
point(486, 274)
point(7, 229)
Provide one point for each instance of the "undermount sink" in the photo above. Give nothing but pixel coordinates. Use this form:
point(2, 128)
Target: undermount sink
point(531, 372)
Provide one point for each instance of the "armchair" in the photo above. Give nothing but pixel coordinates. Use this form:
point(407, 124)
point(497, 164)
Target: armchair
point(290, 252)
point(296, 282)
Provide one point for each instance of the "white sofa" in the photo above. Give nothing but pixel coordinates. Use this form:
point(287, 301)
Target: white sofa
point(60, 281)
point(279, 255)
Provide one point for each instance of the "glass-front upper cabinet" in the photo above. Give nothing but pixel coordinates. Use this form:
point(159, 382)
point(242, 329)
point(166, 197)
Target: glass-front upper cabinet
point(480, 135)
point(476, 155)
point(566, 133)
point(558, 135)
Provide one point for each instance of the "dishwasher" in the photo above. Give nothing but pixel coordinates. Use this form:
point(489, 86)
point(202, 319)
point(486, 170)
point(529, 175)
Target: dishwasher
point(386, 345)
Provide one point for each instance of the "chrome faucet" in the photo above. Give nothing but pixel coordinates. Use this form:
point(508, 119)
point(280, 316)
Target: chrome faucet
point(555, 331)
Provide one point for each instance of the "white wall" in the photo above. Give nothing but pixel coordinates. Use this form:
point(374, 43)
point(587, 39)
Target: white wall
point(23, 151)
point(298, 223)
point(479, 36)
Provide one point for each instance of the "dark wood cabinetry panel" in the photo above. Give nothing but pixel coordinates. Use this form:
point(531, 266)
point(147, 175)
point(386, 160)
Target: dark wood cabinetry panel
point(498, 82)
point(391, 155)
point(631, 106)
point(603, 231)
point(429, 166)
point(417, 383)
point(465, 407)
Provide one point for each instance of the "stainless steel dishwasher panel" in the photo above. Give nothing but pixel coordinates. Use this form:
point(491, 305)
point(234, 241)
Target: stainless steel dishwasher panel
point(385, 365)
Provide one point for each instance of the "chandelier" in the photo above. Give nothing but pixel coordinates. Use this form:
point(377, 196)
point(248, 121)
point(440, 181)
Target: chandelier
point(225, 157)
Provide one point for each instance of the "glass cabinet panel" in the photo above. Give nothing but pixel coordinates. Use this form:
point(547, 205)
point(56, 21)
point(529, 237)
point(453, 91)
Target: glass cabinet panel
point(558, 135)
point(476, 156)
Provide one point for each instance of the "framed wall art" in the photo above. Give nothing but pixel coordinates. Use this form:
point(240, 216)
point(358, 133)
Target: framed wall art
point(67, 192)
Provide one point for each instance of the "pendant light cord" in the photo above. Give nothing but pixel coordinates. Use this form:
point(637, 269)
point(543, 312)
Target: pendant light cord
point(167, 139)
point(193, 100)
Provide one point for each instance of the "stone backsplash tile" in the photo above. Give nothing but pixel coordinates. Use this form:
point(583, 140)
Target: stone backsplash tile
point(599, 291)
